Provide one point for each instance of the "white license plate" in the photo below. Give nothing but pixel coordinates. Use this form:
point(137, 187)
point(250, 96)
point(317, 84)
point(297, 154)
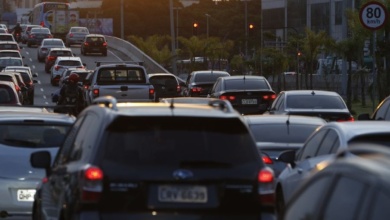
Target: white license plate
point(249, 101)
point(26, 195)
point(182, 194)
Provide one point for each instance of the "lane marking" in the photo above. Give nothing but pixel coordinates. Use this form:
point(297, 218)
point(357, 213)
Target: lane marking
point(44, 96)
point(115, 55)
point(41, 89)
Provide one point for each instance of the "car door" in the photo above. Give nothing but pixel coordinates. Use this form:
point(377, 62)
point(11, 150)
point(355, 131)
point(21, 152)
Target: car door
point(383, 112)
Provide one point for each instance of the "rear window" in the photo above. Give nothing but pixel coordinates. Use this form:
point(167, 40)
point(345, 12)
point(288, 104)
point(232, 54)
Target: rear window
point(179, 141)
point(26, 77)
point(40, 30)
point(163, 80)
point(69, 63)
point(242, 84)
point(79, 30)
point(8, 47)
point(9, 54)
point(32, 135)
point(95, 39)
point(7, 95)
point(212, 77)
point(54, 43)
point(6, 38)
point(120, 76)
point(6, 78)
point(61, 53)
point(315, 102)
point(10, 62)
point(281, 133)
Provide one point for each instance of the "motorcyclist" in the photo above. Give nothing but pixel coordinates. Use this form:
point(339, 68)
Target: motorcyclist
point(71, 98)
point(17, 31)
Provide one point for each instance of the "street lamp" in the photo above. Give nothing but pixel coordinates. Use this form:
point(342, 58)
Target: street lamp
point(207, 26)
point(173, 46)
point(177, 25)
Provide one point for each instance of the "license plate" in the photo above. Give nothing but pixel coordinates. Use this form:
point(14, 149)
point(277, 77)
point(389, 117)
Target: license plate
point(26, 195)
point(182, 194)
point(249, 101)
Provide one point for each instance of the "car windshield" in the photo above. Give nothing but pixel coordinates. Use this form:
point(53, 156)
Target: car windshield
point(53, 43)
point(9, 47)
point(315, 102)
point(40, 30)
point(61, 53)
point(32, 135)
point(120, 76)
point(178, 141)
point(69, 63)
point(79, 30)
point(95, 39)
point(243, 84)
point(26, 77)
point(163, 80)
point(281, 133)
point(6, 37)
point(9, 54)
point(11, 62)
point(208, 77)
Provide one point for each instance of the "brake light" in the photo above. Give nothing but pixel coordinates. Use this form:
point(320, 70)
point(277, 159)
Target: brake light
point(92, 184)
point(57, 67)
point(105, 44)
point(227, 97)
point(178, 88)
point(86, 44)
point(151, 91)
point(31, 36)
point(269, 97)
point(351, 118)
point(196, 89)
point(51, 58)
point(95, 92)
point(71, 35)
point(45, 180)
point(50, 36)
point(86, 87)
point(266, 159)
point(266, 180)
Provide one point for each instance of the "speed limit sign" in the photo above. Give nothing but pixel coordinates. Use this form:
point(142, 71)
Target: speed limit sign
point(373, 15)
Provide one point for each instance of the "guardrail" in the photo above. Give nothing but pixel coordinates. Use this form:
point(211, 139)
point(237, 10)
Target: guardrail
point(135, 54)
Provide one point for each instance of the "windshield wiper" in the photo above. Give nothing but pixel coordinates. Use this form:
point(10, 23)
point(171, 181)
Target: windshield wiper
point(204, 164)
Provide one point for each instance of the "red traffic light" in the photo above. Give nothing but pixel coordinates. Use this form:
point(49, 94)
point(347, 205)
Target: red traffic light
point(195, 25)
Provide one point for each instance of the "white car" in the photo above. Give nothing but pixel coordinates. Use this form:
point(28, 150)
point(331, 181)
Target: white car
point(64, 63)
point(320, 149)
point(46, 45)
point(10, 53)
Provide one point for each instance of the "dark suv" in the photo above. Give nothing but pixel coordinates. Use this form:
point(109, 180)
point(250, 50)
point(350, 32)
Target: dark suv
point(156, 160)
point(94, 43)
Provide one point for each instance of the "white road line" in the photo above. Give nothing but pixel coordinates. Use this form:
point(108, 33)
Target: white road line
point(27, 53)
point(33, 66)
point(115, 55)
point(30, 59)
point(46, 103)
point(44, 97)
point(41, 89)
point(39, 81)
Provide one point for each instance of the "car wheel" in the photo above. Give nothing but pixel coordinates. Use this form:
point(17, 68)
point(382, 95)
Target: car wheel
point(280, 204)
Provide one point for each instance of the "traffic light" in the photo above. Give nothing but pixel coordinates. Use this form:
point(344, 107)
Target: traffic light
point(195, 27)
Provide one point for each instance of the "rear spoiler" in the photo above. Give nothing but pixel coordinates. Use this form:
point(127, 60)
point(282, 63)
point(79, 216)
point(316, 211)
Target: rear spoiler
point(98, 63)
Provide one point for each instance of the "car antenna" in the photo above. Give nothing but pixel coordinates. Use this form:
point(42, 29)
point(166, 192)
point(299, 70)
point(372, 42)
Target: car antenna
point(288, 123)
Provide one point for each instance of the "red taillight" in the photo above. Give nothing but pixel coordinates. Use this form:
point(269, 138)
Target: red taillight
point(86, 87)
point(105, 44)
point(86, 44)
point(178, 88)
point(351, 118)
point(95, 92)
point(227, 97)
point(151, 91)
point(92, 185)
point(31, 36)
point(196, 89)
point(50, 36)
point(266, 159)
point(71, 35)
point(269, 97)
point(45, 180)
point(51, 58)
point(266, 180)
point(57, 67)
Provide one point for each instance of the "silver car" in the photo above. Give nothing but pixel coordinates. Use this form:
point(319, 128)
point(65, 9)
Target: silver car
point(46, 45)
point(76, 35)
point(23, 132)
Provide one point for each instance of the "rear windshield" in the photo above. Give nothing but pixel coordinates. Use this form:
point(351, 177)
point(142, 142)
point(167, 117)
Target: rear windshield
point(281, 133)
point(69, 63)
point(120, 76)
point(6, 38)
point(9, 54)
point(26, 77)
point(7, 95)
point(79, 30)
point(315, 102)
point(179, 141)
point(54, 43)
point(6, 78)
point(61, 53)
point(10, 62)
point(212, 77)
point(242, 84)
point(163, 80)
point(40, 30)
point(8, 47)
point(95, 39)
point(380, 139)
point(32, 135)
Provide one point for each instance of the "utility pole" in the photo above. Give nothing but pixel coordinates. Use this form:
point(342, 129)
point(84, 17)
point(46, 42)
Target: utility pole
point(207, 25)
point(122, 22)
point(172, 24)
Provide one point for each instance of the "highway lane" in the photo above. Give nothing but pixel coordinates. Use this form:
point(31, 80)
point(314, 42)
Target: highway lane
point(43, 89)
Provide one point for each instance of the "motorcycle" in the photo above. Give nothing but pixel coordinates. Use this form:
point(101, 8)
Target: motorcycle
point(17, 37)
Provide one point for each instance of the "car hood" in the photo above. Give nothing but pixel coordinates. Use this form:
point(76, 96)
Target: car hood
point(15, 163)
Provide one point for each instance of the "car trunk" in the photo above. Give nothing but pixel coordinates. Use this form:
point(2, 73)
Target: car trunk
point(122, 93)
point(250, 101)
point(326, 114)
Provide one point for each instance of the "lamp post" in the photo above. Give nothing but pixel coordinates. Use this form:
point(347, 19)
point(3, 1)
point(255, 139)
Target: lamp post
point(246, 29)
point(207, 25)
point(177, 26)
point(173, 46)
point(122, 22)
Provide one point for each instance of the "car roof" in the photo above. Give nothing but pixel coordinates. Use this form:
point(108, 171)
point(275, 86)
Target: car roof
point(52, 39)
point(68, 58)
point(11, 58)
point(235, 77)
point(7, 83)
point(209, 72)
point(95, 35)
point(351, 129)
point(160, 74)
point(8, 51)
point(282, 119)
point(18, 67)
point(60, 48)
point(8, 42)
point(13, 115)
point(188, 100)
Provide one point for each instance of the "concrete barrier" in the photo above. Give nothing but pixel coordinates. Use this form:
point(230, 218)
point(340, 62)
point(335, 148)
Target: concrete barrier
point(135, 54)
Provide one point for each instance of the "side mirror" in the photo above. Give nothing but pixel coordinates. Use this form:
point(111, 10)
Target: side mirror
point(35, 75)
point(287, 156)
point(363, 117)
point(41, 159)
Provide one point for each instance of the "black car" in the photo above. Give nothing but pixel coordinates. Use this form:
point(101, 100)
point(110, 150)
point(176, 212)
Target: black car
point(199, 83)
point(248, 94)
point(355, 187)
point(94, 43)
point(382, 112)
point(328, 105)
point(37, 34)
point(166, 85)
point(156, 160)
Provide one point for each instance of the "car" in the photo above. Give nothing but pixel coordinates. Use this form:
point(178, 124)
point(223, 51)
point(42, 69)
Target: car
point(248, 94)
point(23, 86)
point(321, 146)
point(381, 111)
point(10, 53)
point(9, 45)
point(62, 63)
point(187, 161)
point(26, 32)
point(27, 76)
point(76, 35)
point(336, 191)
point(94, 43)
point(199, 83)
point(10, 61)
point(20, 88)
point(53, 54)
point(188, 100)
point(277, 133)
point(22, 133)
point(45, 46)
point(7, 37)
point(4, 26)
point(37, 34)
point(328, 105)
point(166, 85)
point(80, 71)
point(8, 94)
point(3, 31)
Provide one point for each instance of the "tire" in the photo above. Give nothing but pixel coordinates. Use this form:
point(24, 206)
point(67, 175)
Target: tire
point(279, 203)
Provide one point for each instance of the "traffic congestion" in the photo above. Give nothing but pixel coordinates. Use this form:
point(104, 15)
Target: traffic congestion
point(87, 132)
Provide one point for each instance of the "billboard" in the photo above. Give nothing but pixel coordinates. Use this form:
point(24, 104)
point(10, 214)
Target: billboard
point(98, 25)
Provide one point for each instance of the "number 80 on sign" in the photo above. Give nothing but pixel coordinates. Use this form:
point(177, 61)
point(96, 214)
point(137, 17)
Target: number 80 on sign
point(373, 15)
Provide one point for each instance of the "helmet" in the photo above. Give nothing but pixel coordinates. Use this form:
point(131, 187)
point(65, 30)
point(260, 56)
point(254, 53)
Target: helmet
point(73, 77)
